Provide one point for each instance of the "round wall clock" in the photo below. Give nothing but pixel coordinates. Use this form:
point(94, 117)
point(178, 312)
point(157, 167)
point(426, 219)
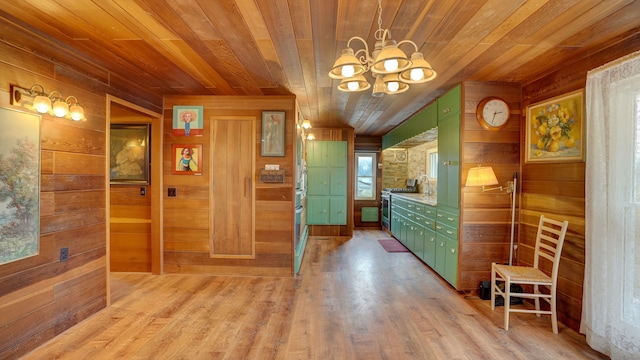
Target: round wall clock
point(493, 113)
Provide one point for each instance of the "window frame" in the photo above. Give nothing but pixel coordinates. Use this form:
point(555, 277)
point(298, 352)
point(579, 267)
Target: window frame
point(374, 159)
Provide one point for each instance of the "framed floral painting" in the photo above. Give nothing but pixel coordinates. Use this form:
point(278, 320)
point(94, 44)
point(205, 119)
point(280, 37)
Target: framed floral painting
point(555, 129)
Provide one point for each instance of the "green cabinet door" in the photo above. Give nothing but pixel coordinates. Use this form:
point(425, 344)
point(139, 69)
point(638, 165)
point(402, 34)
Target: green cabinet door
point(429, 252)
point(317, 153)
point(451, 262)
point(449, 161)
point(441, 254)
point(338, 185)
point(419, 237)
point(317, 210)
point(337, 153)
point(337, 210)
point(318, 182)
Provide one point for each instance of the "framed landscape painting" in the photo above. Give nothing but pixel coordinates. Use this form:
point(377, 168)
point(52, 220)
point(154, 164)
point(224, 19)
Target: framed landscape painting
point(19, 206)
point(555, 129)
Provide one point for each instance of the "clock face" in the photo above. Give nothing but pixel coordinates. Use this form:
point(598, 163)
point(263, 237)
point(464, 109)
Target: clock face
point(493, 113)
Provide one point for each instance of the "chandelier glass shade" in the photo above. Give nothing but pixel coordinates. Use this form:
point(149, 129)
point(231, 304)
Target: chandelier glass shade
point(392, 70)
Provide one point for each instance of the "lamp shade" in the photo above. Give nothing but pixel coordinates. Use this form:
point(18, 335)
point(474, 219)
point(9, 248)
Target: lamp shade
point(353, 84)
point(394, 85)
point(390, 60)
point(346, 66)
point(419, 72)
point(481, 176)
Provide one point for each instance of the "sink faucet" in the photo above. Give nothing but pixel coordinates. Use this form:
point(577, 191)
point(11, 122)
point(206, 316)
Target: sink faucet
point(426, 191)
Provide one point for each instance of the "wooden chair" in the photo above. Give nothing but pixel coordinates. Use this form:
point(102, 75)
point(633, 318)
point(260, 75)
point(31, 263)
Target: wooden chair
point(549, 241)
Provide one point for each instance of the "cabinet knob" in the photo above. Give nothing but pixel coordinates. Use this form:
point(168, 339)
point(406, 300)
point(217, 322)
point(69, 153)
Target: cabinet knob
point(432, 239)
point(441, 244)
point(449, 232)
point(450, 218)
point(438, 227)
point(453, 251)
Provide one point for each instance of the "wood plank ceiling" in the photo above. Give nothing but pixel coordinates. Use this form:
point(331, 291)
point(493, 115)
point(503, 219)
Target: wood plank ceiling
point(273, 47)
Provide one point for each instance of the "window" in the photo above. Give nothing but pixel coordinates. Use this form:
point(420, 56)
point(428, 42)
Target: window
point(365, 176)
point(432, 163)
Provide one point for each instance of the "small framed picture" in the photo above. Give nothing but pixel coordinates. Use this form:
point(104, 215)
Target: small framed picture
point(555, 129)
point(187, 121)
point(187, 159)
point(273, 135)
point(129, 154)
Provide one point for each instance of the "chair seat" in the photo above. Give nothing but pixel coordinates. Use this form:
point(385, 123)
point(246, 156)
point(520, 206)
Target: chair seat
point(523, 274)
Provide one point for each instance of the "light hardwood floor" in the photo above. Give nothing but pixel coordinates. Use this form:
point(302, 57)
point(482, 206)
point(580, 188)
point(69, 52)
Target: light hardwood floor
point(351, 300)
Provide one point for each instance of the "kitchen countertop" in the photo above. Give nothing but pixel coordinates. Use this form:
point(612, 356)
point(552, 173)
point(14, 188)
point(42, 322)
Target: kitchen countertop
point(428, 200)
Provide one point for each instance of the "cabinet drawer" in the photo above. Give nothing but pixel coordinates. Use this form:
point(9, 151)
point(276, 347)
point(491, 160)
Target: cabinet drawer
point(447, 217)
point(446, 230)
point(429, 212)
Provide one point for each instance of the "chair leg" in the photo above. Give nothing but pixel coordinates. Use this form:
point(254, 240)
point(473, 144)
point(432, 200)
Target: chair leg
point(493, 284)
point(536, 290)
point(554, 315)
point(507, 301)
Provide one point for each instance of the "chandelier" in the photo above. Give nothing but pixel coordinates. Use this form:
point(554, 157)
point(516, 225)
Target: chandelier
point(390, 67)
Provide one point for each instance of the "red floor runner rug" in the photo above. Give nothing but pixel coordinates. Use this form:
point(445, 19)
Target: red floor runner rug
point(392, 245)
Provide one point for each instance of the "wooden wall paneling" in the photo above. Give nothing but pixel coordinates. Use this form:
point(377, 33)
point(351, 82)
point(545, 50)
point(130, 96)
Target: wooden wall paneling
point(485, 227)
point(557, 190)
point(187, 219)
point(44, 296)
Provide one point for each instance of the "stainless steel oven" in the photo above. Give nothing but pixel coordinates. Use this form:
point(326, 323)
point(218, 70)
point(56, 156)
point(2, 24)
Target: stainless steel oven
point(386, 208)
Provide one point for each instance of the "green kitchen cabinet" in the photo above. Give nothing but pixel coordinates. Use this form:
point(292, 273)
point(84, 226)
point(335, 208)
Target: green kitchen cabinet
point(449, 158)
point(327, 182)
point(451, 261)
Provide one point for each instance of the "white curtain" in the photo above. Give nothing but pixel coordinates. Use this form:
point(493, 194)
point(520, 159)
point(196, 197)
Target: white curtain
point(611, 299)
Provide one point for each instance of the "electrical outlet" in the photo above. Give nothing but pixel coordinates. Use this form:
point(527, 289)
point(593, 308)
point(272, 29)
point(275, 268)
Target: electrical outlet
point(172, 192)
point(64, 254)
point(143, 191)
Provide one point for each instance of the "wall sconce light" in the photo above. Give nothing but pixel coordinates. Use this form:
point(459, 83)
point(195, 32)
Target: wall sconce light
point(306, 125)
point(54, 103)
point(484, 176)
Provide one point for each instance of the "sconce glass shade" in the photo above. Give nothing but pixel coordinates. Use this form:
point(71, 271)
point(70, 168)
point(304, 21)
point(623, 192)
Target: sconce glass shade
point(481, 176)
point(420, 70)
point(353, 84)
point(42, 104)
point(390, 60)
point(306, 124)
point(346, 66)
point(77, 112)
point(60, 108)
point(311, 136)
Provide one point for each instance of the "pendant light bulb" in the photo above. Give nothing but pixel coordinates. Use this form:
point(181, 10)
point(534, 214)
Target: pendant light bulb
point(352, 85)
point(417, 74)
point(391, 65)
point(393, 86)
point(42, 104)
point(348, 71)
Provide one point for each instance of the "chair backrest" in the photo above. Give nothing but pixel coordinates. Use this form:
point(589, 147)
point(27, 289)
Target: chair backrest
point(549, 242)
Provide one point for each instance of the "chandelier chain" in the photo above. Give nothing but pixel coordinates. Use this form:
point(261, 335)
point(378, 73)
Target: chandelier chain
point(379, 15)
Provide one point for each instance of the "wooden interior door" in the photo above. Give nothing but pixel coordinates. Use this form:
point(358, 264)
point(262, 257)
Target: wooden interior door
point(232, 169)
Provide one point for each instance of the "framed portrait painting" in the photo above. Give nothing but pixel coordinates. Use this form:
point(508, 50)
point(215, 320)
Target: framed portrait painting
point(187, 159)
point(273, 135)
point(19, 185)
point(555, 129)
point(129, 154)
point(188, 120)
